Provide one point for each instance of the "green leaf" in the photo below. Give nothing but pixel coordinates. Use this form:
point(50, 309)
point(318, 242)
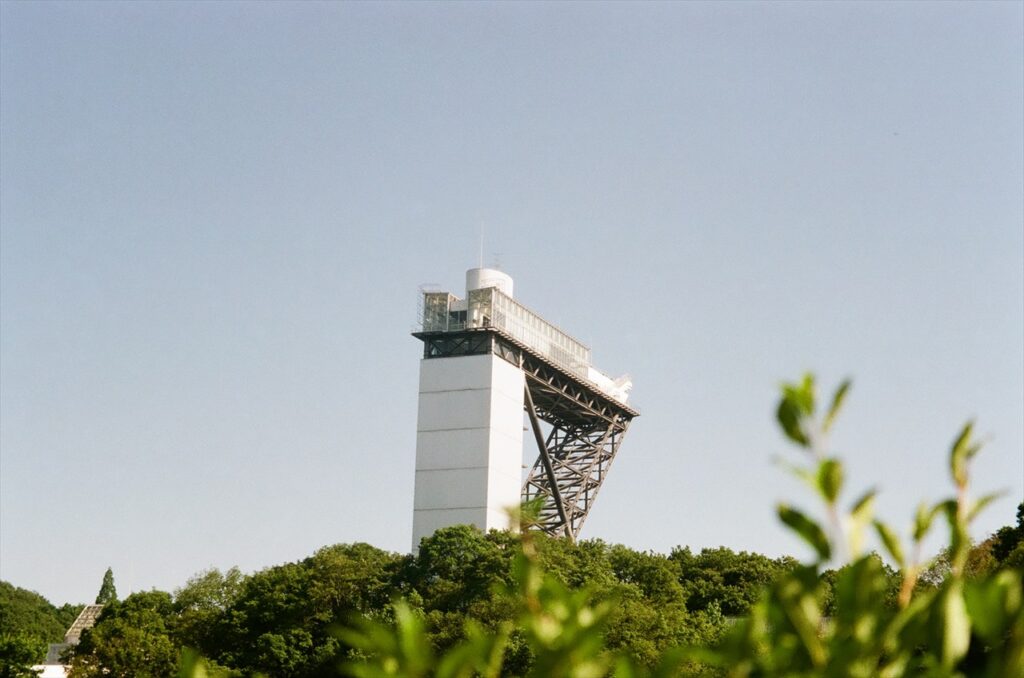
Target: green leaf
point(797, 596)
point(801, 395)
point(830, 479)
point(956, 625)
point(981, 503)
point(479, 655)
point(959, 539)
point(860, 515)
point(805, 475)
point(790, 420)
point(809, 530)
point(807, 393)
point(990, 604)
point(192, 665)
point(891, 542)
point(961, 452)
point(863, 507)
point(923, 520)
point(837, 403)
point(796, 406)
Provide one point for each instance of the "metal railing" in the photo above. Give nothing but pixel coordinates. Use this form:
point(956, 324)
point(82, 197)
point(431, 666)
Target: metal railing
point(490, 307)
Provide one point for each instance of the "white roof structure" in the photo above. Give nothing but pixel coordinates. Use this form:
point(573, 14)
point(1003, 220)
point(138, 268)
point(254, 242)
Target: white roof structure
point(489, 303)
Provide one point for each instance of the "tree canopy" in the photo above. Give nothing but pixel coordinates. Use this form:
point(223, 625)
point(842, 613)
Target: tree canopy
point(285, 620)
point(108, 593)
point(28, 623)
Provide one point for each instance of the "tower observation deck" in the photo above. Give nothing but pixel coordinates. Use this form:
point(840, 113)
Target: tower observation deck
point(487, 359)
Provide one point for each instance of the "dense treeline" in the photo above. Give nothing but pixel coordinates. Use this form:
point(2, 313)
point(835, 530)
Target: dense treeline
point(28, 622)
point(282, 621)
point(28, 613)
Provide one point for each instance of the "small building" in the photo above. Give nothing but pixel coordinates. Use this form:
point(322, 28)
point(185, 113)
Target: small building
point(52, 667)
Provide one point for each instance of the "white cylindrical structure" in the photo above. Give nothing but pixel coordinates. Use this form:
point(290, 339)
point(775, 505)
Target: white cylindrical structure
point(479, 278)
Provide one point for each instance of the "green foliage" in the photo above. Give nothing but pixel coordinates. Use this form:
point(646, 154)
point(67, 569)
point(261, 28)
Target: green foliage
point(192, 665)
point(108, 593)
point(650, 610)
point(961, 626)
point(887, 584)
point(562, 627)
point(27, 612)
point(722, 580)
point(1008, 544)
point(130, 639)
point(29, 622)
point(404, 651)
point(474, 604)
point(18, 652)
point(456, 568)
point(279, 621)
point(271, 625)
point(200, 605)
point(795, 410)
point(876, 624)
point(808, 530)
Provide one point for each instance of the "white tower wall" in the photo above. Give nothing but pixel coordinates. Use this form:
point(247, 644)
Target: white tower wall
point(469, 443)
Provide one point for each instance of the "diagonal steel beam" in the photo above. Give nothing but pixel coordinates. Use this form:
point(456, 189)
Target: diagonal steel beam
point(556, 495)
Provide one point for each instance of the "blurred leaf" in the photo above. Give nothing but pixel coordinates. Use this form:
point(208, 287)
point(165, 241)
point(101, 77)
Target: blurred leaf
point(837, 403)
point(830, 479)
point(981, 503)
point(479, 655)
point(902, 634)
point(864, 507)
point(192, 665)
point(790, 419)
point(948, 508)
point(959, 539)
point(796, 407)
point(988, 602)
point(891, 542)
point(805, 475)
point(961, 452)
point(956, 624)
point(809, 530)
point(796, 595)
point(624, 668)
point(401, 651)
point(923, 520)
point(670, 664)
point(801, 395)
point(860, 515)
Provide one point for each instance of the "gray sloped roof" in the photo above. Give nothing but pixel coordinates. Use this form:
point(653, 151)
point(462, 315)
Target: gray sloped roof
point(86, 618)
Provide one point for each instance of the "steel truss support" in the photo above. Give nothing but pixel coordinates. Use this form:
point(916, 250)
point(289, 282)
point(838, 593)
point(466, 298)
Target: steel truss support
point(549, 470)
point(585, 426)
point(580, 457)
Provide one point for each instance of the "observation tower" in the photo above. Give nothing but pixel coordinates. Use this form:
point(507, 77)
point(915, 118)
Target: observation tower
point(486, 360)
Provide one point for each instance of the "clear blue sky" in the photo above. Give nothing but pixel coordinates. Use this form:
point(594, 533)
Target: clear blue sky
point(215, 217)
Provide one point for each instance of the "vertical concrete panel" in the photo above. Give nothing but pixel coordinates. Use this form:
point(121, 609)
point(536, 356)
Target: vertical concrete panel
point(469, 443)
point(505, 457)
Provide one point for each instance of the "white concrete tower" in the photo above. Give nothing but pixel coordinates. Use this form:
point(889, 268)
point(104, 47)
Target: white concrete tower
point(469, 431)
point(486, 360)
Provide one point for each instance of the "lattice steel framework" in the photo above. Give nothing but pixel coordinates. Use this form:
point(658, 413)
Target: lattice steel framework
point(584, 426)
